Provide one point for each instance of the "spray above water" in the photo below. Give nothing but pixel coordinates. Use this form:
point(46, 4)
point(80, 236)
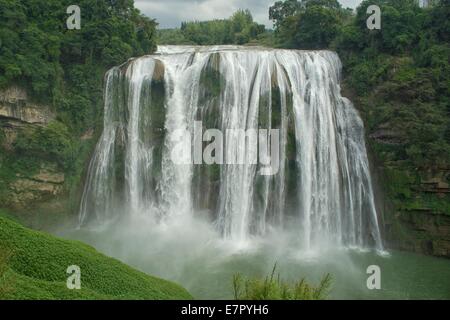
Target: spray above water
point(322, 189)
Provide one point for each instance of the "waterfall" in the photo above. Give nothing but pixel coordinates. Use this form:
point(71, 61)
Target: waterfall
point(152, 104)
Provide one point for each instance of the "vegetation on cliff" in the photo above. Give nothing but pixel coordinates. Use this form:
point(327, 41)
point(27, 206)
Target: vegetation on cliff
point(62, 69)
point(401, 78)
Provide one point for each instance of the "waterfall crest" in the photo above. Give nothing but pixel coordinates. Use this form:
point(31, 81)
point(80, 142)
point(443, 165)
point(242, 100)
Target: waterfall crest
point(323, 184)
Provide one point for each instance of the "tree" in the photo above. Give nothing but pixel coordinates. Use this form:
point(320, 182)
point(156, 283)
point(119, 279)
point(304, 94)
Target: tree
point(317, 27)
point(283, 9)
point(307, 24)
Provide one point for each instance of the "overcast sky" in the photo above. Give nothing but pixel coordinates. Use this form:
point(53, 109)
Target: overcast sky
point(170, 13)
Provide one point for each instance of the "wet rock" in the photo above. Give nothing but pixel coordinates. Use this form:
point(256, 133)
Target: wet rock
point(158, 73)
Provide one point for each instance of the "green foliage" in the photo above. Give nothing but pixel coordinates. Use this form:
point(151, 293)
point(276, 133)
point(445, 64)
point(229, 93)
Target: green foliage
point(404, 73)
point(308, 35)
point(401, 23)
point(432, 202)
point(273, 288)
point(172, 37)
point(281, 10)
point(307, 24)
point(39, 50)
point(238, 29)
point(52, 141)
point(37, 270)
point(5, 285)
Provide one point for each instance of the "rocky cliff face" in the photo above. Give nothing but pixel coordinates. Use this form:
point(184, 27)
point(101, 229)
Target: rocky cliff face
point(416, 204)
point(15, 105)
point(23, 189)
point(419, 231)
point(423, 229)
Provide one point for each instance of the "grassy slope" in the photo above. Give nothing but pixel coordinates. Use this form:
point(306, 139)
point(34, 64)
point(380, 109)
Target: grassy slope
point(36, 269)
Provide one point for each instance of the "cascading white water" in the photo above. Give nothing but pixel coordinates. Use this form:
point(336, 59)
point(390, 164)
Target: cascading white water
point(323, 182)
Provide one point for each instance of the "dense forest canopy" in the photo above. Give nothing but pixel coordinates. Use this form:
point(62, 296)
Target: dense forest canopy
point(307, 24)
point(57, 63)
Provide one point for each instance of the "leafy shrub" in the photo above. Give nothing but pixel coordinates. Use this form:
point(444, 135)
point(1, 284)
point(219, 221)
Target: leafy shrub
point(273, 288)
